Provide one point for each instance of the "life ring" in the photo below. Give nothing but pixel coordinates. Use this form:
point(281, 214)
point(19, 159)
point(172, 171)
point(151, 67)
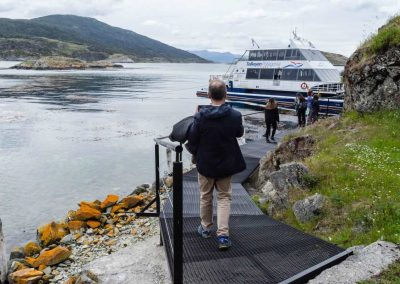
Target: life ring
point(304, 85)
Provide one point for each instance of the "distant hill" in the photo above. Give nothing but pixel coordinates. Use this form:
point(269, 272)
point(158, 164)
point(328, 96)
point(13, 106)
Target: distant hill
point(335, 58)
point(218, 57)
point(83, 38)
point(227, 57)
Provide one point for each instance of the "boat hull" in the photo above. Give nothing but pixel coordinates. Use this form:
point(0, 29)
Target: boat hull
point(285, 99)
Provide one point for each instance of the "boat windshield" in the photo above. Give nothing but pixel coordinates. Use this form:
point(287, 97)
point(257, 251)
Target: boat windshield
point(285, 54)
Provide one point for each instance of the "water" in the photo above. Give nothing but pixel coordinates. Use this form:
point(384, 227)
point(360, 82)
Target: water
point(67, 136)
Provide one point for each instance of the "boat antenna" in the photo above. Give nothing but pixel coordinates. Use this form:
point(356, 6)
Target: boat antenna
point(295, 36)
point(254, 43)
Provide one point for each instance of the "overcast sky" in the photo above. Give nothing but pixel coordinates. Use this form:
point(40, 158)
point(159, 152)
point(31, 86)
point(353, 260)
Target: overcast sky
point(227, 25)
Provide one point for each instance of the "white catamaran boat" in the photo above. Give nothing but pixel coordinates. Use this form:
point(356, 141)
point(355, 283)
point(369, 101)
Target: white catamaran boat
point(282, 73)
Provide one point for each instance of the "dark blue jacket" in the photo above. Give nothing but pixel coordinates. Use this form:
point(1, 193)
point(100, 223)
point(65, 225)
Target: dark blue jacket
point(213, 136)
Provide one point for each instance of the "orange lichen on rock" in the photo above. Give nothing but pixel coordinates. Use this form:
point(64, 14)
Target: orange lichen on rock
point(86, 212)
point(50, 257)
point(16, 265)
point(131, 201)
point(32, 248)
point(116, 208)
point(51, 233)
point(71, 280)
point(74, 226)
point(110, 200)
point(25, 276)
point(93, 224)
point(95, 204)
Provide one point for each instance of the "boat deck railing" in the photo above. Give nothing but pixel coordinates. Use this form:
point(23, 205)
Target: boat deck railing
point(331, 88)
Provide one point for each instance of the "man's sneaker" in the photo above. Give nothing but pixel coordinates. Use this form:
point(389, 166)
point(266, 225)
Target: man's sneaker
point(224, 242)
point(203, 233)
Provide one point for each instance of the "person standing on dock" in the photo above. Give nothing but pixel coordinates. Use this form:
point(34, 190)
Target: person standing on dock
point(214, 134)
point(309, 106)
point(315, 109)
point(301, 107)
point(271, 119)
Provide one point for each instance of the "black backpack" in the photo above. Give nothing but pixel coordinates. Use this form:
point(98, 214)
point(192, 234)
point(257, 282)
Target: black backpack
point(180, 130)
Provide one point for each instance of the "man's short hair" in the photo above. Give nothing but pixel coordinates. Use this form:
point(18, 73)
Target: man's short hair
point(217, 90)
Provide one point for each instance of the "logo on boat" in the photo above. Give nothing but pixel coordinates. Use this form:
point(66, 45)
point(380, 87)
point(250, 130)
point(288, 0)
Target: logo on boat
point(254, 64)
point(263, 64)
point(293, 65)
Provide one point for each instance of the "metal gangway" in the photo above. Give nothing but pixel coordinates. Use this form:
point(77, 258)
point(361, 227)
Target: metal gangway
point(264, 250)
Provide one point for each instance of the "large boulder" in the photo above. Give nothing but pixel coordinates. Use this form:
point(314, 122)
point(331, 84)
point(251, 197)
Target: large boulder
point(276, 190)
point(306, 209)
point(51, 233)
point(295, 149)
point(25, 276)
point(372, 74)
point(364, 264)
point(50, 257)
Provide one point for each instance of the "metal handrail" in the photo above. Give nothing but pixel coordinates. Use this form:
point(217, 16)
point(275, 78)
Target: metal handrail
point(177, 204)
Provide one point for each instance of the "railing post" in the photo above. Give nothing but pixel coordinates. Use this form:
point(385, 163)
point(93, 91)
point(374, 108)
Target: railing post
point(177, 215)
point(157, 158)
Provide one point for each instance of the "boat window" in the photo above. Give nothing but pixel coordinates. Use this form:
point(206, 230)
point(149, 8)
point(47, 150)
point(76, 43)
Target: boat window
point(293, 54)
point(289, 74)
point(328, 75)
point(252, 73)
point(305, 75)
point(270, 55)
point(260, 54)
point(313, 55)
point(277, 74)
point(281, 54)
point(253, 55)
point(316, 78)
point(267, 74)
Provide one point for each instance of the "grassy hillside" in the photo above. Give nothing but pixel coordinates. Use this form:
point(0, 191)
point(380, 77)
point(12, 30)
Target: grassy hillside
point(92, 35)
point(357, 166)
point(387, 36)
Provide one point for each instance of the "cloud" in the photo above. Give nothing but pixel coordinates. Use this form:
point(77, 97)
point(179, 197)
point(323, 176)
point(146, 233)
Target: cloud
point(332, 25)
point(243, 16)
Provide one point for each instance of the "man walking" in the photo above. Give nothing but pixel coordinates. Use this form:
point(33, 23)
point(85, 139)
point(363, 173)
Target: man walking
point(214, 136)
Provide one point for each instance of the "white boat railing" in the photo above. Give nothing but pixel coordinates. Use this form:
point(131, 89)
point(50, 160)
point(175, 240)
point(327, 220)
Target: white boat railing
point(224, 78)
point(332, 88)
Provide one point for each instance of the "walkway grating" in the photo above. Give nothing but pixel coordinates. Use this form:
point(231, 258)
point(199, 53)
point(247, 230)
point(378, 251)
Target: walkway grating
point(264, 250)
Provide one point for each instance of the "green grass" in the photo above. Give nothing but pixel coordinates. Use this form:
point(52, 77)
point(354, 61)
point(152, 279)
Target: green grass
point(387, 36)
point(357, 166)
point(389, 276)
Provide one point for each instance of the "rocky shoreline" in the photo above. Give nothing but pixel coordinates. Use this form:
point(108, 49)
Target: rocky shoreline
point(65, 63)
point(95, 229)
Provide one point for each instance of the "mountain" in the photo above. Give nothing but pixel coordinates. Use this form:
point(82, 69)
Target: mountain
point(83, 38)
point(335, 58)
point(218, 57)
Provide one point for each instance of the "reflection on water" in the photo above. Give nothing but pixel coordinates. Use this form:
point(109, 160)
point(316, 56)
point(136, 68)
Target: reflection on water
point(67, 136)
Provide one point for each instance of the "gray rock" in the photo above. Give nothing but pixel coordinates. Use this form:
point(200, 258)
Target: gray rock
point(306, 209)
point(47, 270)
point(296, 149)
point(148, 266)
point(67, 239)
point(3, 258)
point(17, 252)
point(90, 231)
point(373, 84)
point(280, 182)
point(364, 264)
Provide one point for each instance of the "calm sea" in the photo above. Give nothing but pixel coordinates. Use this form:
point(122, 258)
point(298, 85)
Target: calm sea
point(67, 136)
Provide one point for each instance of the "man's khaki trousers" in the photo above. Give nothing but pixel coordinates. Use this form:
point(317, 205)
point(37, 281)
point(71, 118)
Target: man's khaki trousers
point(224, 198)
